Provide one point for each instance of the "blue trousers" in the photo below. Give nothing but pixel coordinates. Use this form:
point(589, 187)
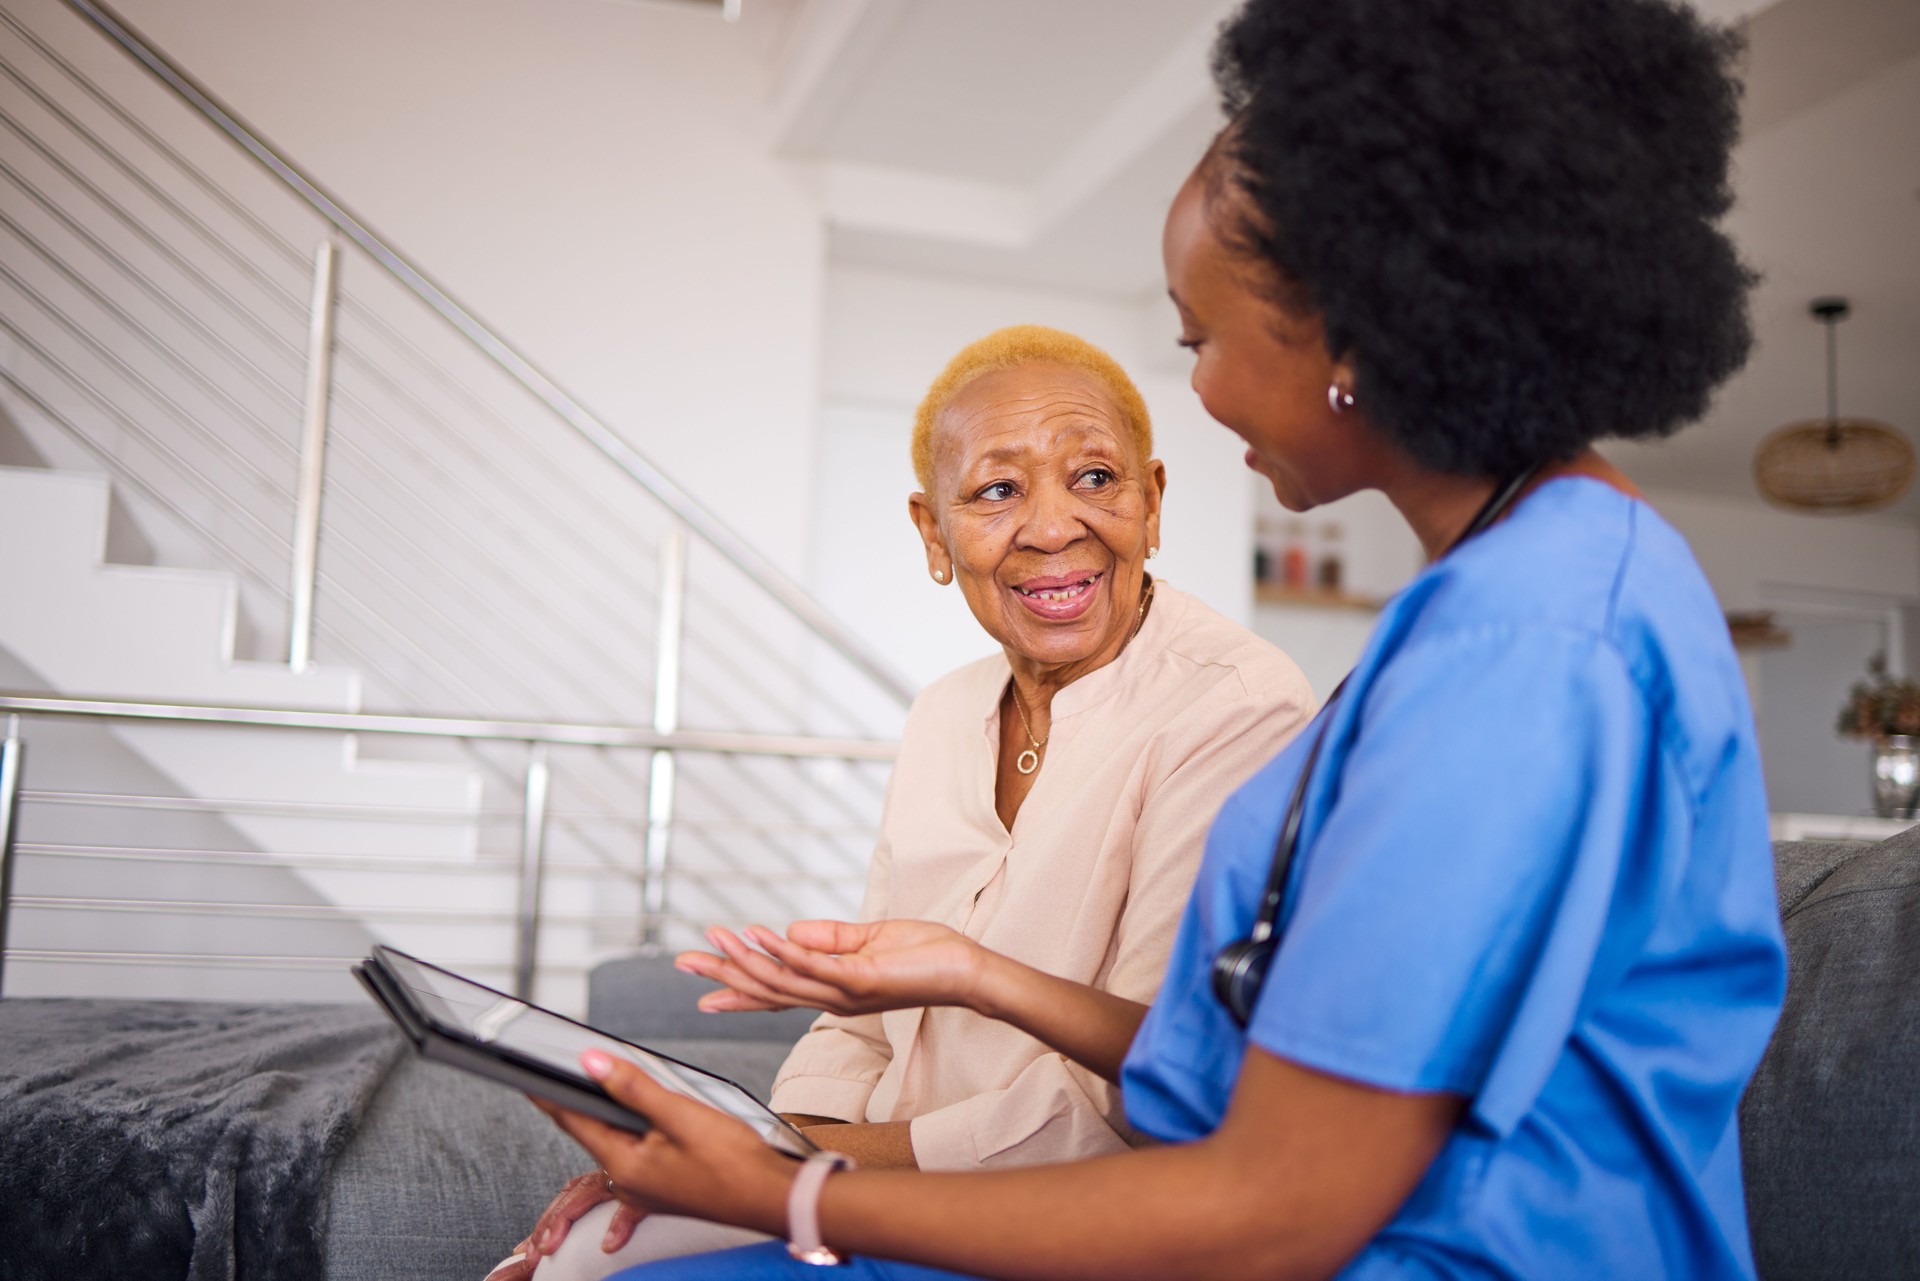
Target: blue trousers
point(771, 1262)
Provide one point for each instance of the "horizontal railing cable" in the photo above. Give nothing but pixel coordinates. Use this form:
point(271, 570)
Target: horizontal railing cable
point(222, 247)
point(288, 251)
point(478, 866)
point(478, 965)
point(721, 742)
point(239, 360)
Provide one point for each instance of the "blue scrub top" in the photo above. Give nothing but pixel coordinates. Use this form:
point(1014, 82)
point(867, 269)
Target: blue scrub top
point(1534, 871)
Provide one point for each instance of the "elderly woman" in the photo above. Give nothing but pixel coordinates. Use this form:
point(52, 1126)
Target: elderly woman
point(1049, 802)
point(1475, 973)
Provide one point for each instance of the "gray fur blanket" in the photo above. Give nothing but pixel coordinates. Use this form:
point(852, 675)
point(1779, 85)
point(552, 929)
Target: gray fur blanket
point(164, 1140)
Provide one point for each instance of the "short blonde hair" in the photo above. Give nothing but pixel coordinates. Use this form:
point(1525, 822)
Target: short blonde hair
point(1011, 348)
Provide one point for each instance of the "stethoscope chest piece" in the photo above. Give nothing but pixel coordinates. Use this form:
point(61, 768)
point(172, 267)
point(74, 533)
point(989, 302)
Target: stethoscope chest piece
point(1239, 972)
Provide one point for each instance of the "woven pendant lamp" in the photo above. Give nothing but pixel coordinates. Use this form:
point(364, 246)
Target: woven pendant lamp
point(1836, 464)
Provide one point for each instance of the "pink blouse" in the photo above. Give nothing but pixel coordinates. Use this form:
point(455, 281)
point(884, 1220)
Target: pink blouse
point(1088, 885)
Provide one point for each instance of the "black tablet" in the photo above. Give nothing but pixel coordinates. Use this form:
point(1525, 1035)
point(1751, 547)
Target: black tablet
point(468, 1025)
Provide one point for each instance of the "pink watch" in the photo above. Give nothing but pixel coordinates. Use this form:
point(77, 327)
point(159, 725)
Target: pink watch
point(803, 1208)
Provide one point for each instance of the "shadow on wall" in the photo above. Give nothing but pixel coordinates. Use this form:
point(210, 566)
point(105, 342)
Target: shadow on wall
point(15, 449)
point(126, 545)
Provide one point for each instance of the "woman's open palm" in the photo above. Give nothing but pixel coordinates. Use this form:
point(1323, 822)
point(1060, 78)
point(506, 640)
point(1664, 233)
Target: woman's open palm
point(840, 967)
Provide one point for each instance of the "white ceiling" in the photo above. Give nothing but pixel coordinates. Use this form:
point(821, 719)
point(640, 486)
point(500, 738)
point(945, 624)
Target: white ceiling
point(996, 90)
point(1039, 141)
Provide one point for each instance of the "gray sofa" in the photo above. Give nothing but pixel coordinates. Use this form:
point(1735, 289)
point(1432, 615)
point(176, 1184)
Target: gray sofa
point(1830, 1128)
point(125, 1129)
point(447, 1171)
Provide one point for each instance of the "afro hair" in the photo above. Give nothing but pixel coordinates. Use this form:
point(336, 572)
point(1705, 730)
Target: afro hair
point(1025, 345)
point(1504, 212)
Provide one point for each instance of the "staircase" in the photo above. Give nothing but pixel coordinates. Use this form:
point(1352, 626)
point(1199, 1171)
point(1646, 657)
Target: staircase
point(501, 693)
point(354, 834)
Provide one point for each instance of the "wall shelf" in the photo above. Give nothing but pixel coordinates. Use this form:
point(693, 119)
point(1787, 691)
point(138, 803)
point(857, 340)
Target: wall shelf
point(1755, 629)
point(1314, 598)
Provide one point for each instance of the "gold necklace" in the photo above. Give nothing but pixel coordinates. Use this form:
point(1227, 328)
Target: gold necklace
point(1029, 761)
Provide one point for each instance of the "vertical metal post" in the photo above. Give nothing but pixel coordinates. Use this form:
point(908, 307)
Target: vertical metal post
point(12, 753)
point(313, 453)
point(666, 720)
point(533, 857)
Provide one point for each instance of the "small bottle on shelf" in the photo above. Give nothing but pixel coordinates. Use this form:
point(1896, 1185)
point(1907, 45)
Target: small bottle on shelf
point(1294, 566)
point(1329, 573)
point(1266, 549)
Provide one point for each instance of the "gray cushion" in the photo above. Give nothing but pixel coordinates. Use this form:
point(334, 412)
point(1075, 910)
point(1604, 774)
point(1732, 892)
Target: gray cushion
point(644, 999)
point(1831, 1125)
point(1800, 866)
point(447, 1172)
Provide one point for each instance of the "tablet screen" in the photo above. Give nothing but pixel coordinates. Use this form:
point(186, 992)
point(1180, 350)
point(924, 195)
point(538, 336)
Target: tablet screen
point(545, 1038)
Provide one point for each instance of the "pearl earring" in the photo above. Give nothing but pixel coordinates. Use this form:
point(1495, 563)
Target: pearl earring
point(1152, 552)
point(939, 575)
point(1338, 401)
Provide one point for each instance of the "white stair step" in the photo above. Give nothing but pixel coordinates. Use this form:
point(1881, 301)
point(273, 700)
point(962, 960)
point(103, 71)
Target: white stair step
point(129, 632)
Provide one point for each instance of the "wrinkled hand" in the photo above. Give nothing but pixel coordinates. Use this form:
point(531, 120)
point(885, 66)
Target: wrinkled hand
point(696, 1160)
point(840, 967)
point(579, 1195)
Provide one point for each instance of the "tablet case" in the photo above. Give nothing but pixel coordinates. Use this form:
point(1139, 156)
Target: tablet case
point(579, 1094)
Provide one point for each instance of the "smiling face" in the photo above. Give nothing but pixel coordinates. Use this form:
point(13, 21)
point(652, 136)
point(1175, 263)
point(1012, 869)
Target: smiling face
point(1258, 369)
point(1043, 511)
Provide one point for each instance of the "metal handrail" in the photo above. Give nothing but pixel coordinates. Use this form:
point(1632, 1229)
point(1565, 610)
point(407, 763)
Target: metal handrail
point(537, 736)
point(722, 742)
point(519, 367)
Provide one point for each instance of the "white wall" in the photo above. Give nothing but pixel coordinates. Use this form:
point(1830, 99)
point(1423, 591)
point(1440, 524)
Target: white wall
point(1748, 548)
point(887, 334)
point(1844, 587)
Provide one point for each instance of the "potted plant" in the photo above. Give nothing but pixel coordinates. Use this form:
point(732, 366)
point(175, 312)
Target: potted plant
point(1886, 711)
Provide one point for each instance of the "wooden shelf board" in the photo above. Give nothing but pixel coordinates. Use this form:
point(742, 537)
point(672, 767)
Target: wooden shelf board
point(1314, 598)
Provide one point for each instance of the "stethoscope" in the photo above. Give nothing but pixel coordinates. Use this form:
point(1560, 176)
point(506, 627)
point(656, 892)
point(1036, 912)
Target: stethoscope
point(1240, 970)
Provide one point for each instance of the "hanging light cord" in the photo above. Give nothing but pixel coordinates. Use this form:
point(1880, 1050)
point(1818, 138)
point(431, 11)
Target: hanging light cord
point(1833, 380)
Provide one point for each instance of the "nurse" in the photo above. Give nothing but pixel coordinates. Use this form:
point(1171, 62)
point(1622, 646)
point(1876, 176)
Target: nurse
point(1474, 972)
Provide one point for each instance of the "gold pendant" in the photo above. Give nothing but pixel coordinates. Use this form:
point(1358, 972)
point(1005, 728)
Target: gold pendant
point(1027, 762)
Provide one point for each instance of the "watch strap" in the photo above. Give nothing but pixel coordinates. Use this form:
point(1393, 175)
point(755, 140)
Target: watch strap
point(803, 1208)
